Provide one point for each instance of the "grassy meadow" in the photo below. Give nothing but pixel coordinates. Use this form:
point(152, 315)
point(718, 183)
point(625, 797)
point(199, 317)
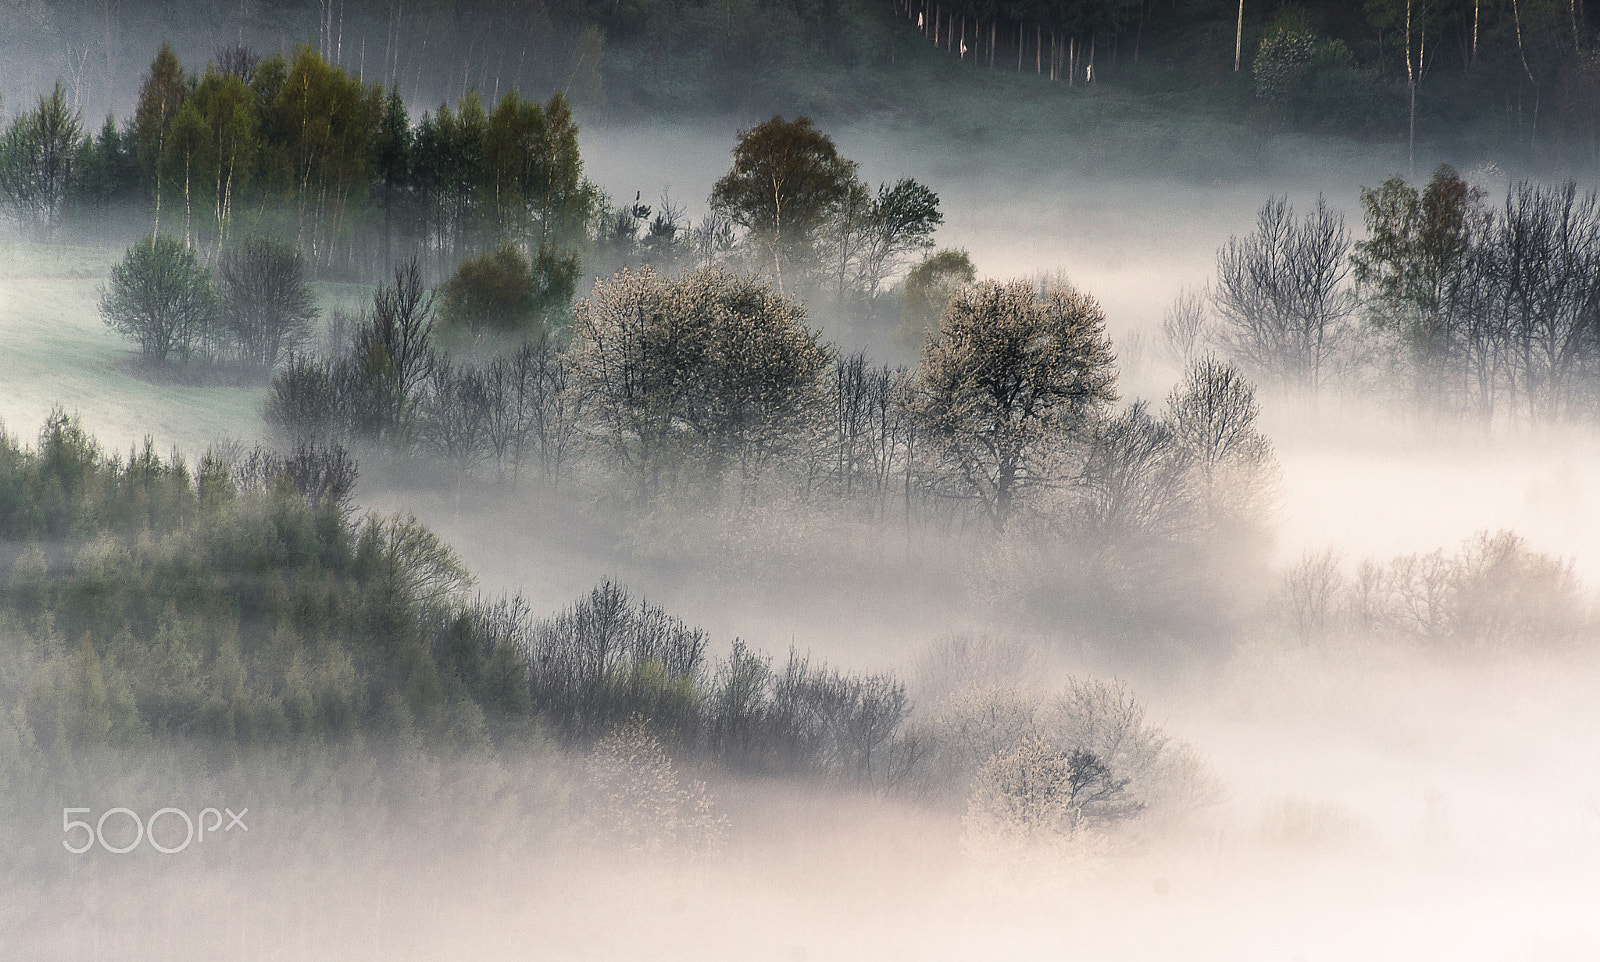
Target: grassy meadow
point(55, 349)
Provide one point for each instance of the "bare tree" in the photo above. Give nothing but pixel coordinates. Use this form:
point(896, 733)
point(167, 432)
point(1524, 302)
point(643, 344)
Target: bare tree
point(393, 347)
point(1547, 249)
point(1281, 295)
point(1213, 413)
point(266, 302)
point(1185, 328)
point(1133, 486)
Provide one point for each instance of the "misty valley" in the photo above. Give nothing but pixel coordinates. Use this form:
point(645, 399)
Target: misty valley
point(799, 480)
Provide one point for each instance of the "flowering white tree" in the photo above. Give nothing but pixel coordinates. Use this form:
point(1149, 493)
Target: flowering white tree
point(1011, 376)
point(709, 367)
point(640, 801)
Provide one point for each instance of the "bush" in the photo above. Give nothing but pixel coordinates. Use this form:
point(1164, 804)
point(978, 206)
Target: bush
point(1306, 78)
point(1493, 591)
point(502, 293)
point(162, 298)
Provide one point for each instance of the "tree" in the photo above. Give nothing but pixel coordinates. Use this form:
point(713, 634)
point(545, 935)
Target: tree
point(502, 292)
point(709, 363)
point(160, 96)
point(1213, 413)
point(1012, 376)
point(391, 151)
point(1546, 256)
point(1280, 292)
point(37, 157)
point(1132, 491)
point(266, 302)
point(161, 297)
point(787, 179)
point(1412, 269)
point(875, 235)
point(318, 125)
point(928, 288)
point(392, 351)
point(230, 135)
point(490, 293)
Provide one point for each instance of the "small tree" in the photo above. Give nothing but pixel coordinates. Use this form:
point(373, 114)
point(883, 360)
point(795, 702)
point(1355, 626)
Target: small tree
point(1213, 413)
point(162, 298)
point(1012, 375)
point(392, 352)
point(266, 301)
point(502, 292)
point(928, 288)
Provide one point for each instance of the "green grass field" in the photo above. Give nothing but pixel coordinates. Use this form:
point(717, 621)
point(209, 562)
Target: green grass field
point(54, 349)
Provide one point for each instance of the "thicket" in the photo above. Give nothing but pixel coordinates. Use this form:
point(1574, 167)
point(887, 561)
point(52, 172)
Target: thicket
point(1492, 592)
point(1458, 307)
point(244, 607)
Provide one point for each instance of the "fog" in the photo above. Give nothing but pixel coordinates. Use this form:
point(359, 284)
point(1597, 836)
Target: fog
point(1378, 800)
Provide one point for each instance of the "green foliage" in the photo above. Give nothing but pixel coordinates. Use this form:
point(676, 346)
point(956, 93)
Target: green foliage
point(502, 293)
point(1315, 81)
point(787, 179)
point(38, 152)
point(244, 609)
point(162, 298)
point(928, 288)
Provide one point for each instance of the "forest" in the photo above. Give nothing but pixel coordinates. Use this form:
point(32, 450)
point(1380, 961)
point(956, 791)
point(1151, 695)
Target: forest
point(1497, 76)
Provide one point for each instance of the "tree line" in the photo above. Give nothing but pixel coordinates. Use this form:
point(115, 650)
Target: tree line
point(710, 387)
point(301, 150)
point(1492, 312)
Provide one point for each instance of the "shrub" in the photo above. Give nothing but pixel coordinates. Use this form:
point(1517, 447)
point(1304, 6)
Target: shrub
point(501, 292)
point(161, 298)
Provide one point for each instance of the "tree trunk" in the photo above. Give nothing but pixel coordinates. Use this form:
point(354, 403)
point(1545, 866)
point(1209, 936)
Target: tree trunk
point(1238, 38)
point(1516, 19)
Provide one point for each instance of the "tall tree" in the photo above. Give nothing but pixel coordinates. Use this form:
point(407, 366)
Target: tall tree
point(787, 179)
point(1281, 294)
point(161, 95)
point(37, 155)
